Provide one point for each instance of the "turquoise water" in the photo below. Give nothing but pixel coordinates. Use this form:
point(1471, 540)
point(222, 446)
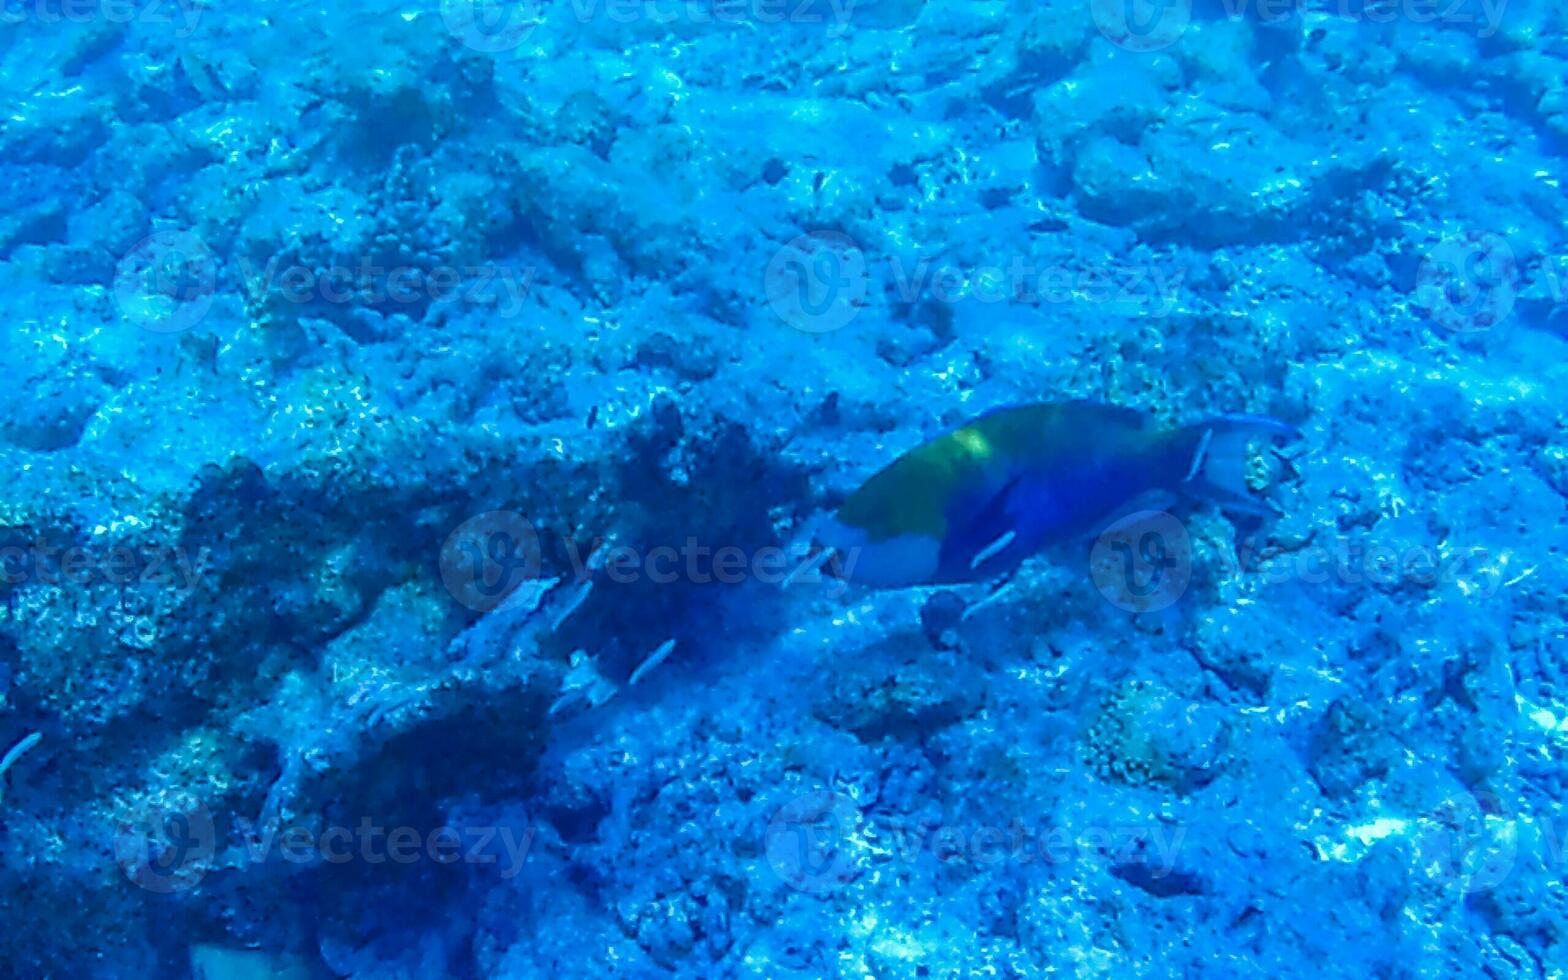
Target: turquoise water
point(431, 544)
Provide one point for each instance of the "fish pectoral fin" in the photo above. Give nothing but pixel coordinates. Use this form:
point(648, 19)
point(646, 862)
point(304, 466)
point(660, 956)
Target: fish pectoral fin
point(993, 549)
point(1005, 521)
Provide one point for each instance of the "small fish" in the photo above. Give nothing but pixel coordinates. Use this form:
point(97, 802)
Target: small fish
point(975, 502)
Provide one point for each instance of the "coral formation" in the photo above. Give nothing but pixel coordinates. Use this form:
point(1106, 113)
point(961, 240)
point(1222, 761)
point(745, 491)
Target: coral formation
point(389, 390)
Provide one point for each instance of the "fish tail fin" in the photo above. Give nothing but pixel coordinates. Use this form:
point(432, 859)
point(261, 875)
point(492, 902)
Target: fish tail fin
point(1216, 456)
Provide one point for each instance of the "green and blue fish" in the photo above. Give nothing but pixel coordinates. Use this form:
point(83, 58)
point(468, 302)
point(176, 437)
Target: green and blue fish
point(975, 502)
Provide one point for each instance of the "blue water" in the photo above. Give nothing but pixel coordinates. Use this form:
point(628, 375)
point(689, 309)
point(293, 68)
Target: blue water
point(420, 422)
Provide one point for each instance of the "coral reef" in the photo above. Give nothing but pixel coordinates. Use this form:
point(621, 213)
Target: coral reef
point(414, 419)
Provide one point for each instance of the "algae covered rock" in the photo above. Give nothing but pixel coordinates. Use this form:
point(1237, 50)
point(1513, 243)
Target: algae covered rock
point(1146, 734)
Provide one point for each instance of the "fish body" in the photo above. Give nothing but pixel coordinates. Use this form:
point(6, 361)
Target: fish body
point(976, 501)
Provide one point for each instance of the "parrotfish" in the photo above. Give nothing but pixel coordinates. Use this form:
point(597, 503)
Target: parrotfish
point(975, 502)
